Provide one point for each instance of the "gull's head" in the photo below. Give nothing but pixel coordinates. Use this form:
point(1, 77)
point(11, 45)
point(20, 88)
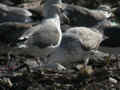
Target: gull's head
point(51, 8)
point(106, 9)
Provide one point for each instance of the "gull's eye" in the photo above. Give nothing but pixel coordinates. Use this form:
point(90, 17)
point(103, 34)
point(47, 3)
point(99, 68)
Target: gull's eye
point(61, 10)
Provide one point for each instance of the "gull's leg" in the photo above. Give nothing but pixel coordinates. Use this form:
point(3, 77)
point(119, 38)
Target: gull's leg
point(86, 60)
point(41, 61)
point(89, 55)
point(85, 63)
point(11, 57)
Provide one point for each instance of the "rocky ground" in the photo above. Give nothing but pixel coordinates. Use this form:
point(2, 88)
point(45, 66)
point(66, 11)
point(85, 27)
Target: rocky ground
point(24, 72)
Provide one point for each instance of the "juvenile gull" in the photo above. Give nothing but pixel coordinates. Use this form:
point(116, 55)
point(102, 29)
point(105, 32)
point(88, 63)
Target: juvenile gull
point(9, 13)
point(81, 16)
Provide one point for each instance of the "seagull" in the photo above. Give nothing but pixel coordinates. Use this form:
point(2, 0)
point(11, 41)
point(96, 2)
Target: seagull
point(10, 13)
point(81, 16)
point(47, 35)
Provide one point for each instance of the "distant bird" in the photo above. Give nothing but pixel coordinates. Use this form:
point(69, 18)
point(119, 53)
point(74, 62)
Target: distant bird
point(81, 16)
point(77, 43)
point(9, 13)
point(45, 36)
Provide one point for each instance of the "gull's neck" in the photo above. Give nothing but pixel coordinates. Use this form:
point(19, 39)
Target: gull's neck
point(56, 21)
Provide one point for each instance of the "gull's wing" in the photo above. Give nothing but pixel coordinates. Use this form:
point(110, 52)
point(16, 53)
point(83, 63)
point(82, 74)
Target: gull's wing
point(42, 35)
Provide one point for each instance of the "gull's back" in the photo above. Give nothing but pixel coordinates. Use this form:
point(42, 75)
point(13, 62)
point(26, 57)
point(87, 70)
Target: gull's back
point(89, 37)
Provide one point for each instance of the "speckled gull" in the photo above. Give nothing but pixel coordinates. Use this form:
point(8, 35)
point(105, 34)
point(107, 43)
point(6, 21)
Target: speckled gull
point(46, 35)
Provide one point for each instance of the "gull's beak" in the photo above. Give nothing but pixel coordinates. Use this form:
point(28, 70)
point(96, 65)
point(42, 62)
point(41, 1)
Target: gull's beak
point(66, 17)
point(113, 9)
point(58, 5)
